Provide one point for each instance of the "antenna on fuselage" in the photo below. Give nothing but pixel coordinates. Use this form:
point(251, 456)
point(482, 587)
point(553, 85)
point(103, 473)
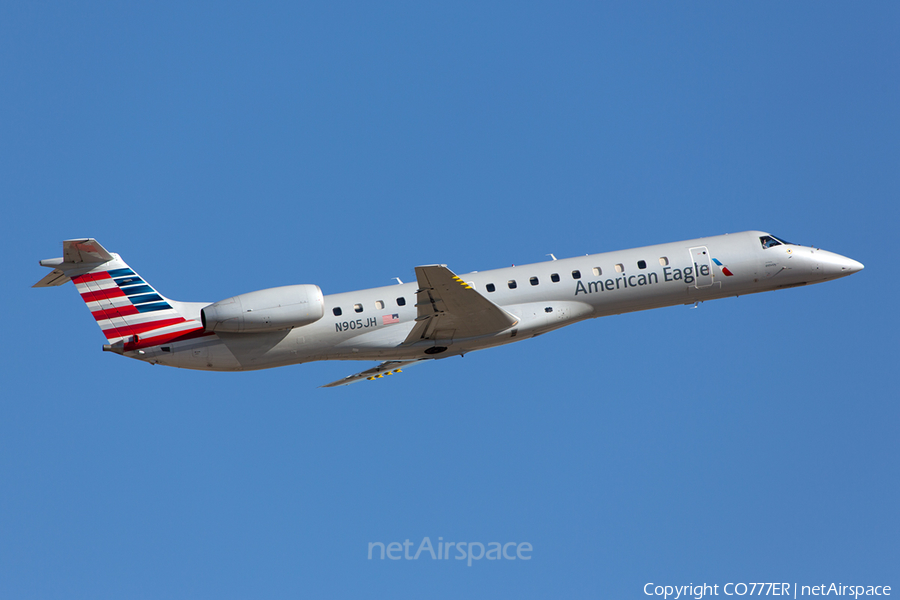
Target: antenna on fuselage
point(398, 280)
point(551, 256)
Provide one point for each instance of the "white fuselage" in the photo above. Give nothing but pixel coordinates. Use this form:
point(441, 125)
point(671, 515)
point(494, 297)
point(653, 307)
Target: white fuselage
point(373, 323)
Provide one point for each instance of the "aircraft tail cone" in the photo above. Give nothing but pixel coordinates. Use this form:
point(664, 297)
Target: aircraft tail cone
point(118, 347)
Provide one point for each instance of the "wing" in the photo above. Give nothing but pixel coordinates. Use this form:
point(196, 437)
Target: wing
point(388, 367)
point(449, 308)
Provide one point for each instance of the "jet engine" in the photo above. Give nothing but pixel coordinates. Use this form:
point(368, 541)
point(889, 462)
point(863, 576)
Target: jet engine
point(266, 310)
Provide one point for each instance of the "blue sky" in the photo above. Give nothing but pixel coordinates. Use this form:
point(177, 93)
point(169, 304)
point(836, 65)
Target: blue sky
point(224, 148)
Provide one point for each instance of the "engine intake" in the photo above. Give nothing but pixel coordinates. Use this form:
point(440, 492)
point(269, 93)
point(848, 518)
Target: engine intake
point(266, 310)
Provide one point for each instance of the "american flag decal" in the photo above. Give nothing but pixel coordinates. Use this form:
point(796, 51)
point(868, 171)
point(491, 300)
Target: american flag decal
point(388, 319)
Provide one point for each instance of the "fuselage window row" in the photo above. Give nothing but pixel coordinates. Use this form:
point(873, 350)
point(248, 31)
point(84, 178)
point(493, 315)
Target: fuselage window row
point(490, 287)
point(379, 304)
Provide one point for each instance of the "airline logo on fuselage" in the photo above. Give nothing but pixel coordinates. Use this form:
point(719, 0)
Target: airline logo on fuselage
point(723, 267)
point(686, 275)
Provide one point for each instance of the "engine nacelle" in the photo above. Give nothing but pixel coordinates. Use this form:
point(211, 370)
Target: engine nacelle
point(266, 310)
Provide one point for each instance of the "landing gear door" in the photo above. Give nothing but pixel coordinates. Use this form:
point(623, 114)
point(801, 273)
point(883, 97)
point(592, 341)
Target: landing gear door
point(703, 277)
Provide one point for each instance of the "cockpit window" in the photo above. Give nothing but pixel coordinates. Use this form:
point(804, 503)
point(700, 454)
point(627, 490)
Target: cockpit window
point(768, 241)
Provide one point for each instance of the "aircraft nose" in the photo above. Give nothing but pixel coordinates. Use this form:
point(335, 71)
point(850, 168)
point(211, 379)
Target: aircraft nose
point(852, 266)
point(833, 265)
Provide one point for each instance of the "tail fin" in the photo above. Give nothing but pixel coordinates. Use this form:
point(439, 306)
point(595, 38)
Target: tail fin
point(131, 313)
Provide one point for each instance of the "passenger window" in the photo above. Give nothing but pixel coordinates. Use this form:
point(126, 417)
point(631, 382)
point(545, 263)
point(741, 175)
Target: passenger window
point(597, 271)
point(576, 274)
point(620, 268)
point(534, 281)
point(490, 287)
point(379, 304)
point(554, 277)
point(642, 264)
point(401, 301)
point(663, 261)
point(512, 284)
point(337, 311)
point(357, 307)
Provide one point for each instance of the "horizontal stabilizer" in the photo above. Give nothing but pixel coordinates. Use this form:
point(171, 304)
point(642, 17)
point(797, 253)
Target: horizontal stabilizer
point(388, 367)
point(79, 256)
point(57, 277)
point(86, 250)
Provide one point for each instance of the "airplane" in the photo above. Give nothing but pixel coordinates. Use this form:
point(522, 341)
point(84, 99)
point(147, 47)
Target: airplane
point(441, 315)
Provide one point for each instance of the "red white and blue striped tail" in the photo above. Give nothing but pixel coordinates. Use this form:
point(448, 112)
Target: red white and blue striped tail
point(128, 309)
